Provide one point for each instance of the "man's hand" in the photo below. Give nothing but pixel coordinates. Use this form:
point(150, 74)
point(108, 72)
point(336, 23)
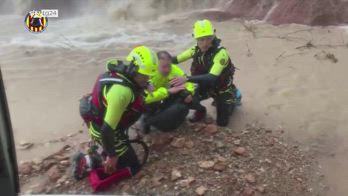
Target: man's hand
point(150, 88)
point(188, 99)
point(177, 81)
point(110, 164)
point(176, 89)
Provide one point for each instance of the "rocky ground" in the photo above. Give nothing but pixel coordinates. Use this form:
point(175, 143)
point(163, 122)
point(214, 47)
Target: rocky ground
point(199, 159)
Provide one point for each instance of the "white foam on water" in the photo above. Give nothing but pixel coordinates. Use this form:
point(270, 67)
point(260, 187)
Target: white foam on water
point(87, 33)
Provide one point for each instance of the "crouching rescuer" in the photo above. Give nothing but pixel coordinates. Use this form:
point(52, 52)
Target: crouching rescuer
point(213, 70)
point(115, 103)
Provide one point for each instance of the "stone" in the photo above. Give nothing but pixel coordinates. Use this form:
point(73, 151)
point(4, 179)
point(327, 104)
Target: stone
point(25, 169)
point(65, 163)
point(40, 187)
point(178, 142)
point(160, 141)
point(247, 191)
point(37, 161)
point(189, 144)
point(125, 188)
point(54, 173)
point(219, 166)
point(37, 167)
point(220, 158)
point(46, 164)
point(260, 189)
point(186, 182)
point(176, 174)
point(61, 157)
point(156, 180)
point(23, 145)
point(250, 178)
point(201, 190)
point(240, 151)
point(236, 142)
point(206, 164)
point(210, 129)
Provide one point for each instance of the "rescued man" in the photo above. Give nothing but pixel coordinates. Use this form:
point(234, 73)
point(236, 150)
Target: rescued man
point(166, 106)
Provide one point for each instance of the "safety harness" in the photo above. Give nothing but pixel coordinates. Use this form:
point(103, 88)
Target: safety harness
point(92, 106)
point(203, 62)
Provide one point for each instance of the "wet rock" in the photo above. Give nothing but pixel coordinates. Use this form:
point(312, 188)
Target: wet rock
point(178, 142)
point(39, 188)
point(176, 174)
point(54, 173)
point(156, 180)
point(248, 191)
point(61, 157)
point(220, 158)
point(25, 169)
point(189, 144)
point(37, 161)
point(260, 189)
point(160, 141)
point(250, 178)
point(206, 164)
point(63, 180)
point(219, 144)
point(37, 167)
point(65, 163)
point(220, 166)
point(23, 145)
point(46, 164)
point(210, 129)
point(240, 151)
point(268, 161)
point(236, 142)
point(187, 182)
point(201, 190)
point(125, 188)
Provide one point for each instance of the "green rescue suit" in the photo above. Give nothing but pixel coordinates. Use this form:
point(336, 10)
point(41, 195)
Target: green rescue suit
point(213, 71)
point(116, 103)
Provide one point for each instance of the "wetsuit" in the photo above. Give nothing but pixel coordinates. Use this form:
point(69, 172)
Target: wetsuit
point(119, 103)
point(213, 71)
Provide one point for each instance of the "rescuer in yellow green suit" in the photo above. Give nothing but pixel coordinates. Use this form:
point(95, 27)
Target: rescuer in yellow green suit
point(116, 102)
point(167, 105)
point(213, 70)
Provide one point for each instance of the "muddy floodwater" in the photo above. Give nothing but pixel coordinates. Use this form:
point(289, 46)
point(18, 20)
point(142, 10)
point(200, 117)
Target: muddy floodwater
point(292, 77)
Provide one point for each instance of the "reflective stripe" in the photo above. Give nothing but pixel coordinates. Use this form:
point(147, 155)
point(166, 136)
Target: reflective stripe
point(111, 80)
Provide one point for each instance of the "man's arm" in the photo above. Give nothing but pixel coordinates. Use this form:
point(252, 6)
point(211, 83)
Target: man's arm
point(118, 98)
point(184, 56)
point(178, 72)
point(157, 95)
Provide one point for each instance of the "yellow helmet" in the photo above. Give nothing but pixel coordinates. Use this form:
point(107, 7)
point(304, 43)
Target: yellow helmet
point(145, 59)
point(203, 28)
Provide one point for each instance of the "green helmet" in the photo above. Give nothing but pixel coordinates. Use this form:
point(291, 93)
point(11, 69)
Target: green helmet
point(145, 59)
point(203, 28)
